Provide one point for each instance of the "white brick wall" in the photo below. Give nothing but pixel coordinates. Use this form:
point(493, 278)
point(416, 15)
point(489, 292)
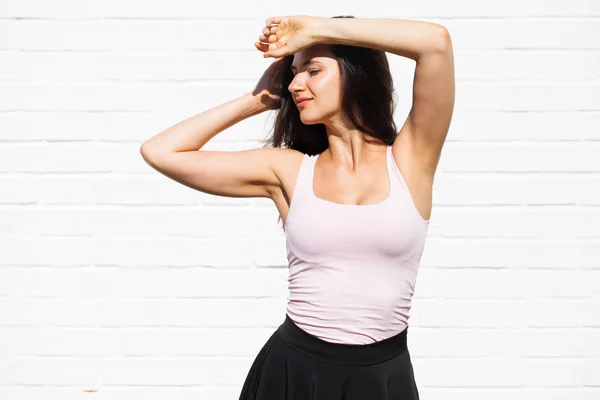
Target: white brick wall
point(117, 283)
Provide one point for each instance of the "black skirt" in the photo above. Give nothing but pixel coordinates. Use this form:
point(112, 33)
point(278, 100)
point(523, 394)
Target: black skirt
point(295, 365)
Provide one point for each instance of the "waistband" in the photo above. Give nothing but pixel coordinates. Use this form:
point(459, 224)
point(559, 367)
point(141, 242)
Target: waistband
point(341, 354)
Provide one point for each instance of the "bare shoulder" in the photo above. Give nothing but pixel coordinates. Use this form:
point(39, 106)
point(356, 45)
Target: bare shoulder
point(286, 164)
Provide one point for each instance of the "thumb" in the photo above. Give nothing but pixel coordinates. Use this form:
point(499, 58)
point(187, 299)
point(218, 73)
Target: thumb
point(276, 53)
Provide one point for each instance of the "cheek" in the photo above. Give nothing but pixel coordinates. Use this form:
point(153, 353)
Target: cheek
point(325, 81)
point(329, 92)
point(326, 87)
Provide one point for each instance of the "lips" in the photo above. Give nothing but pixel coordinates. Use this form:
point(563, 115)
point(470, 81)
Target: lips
point(302, 102)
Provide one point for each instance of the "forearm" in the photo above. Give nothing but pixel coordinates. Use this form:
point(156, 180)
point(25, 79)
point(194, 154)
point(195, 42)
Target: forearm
point(406, 38)
point(196, 131)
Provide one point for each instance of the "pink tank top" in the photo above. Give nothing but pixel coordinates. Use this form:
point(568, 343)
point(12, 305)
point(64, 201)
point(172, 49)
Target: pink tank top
point(352, 268)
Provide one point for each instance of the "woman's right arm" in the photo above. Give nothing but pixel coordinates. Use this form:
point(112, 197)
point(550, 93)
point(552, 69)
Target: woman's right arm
point(248, 173)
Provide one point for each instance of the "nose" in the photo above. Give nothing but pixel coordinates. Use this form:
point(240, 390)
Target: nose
point(297, 84)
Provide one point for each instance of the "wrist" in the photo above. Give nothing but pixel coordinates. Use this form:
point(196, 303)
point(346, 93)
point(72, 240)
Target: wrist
point(265, 101)
point(254, 103)
point(319, 31)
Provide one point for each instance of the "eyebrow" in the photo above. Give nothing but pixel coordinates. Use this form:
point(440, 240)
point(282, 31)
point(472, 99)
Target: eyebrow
point(311, 61)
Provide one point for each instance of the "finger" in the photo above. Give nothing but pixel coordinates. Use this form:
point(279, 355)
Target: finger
point(272, 30)
point(261, 46)
point(276, 53)
point(265, 38)
point(273, 20)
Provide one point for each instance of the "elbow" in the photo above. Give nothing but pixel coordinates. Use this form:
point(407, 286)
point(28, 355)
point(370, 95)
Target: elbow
point(144, 148)
point(150, 146)
point(444, 41)
point(145, 151)
point(439, 43)
point(150, 154)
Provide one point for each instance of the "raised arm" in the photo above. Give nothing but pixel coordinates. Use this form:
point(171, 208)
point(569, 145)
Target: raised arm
point(248, 173)
point(430, 46)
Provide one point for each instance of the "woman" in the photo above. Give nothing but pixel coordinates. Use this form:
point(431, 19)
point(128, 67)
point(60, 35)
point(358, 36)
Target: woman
point(355, 195)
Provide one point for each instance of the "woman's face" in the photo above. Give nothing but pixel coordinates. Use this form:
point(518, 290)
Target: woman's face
point(319, 80)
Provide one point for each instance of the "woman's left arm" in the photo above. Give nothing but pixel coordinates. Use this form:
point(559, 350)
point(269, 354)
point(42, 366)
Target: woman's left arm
point(430, 46)
point(406, 38)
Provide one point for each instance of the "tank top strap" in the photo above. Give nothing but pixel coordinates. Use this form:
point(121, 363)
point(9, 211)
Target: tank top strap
point(392, 169)
point(400, 186)
point(301, 187)
point(304, 178)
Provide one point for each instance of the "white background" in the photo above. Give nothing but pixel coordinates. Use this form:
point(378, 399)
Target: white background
point(118, 283)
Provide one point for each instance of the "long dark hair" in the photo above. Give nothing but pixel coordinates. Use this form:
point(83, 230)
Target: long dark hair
point(368, 101)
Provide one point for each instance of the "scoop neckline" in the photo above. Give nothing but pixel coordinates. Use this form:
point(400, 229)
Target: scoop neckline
point(381, 203)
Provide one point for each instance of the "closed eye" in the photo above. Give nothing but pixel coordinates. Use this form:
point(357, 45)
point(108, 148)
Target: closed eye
point(310, 72)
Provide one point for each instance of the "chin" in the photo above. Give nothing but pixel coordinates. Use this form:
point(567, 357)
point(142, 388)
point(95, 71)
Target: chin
point(309, 121)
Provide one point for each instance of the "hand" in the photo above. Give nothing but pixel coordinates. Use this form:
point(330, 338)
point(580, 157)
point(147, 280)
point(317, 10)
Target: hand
point(291, 35)
point(269, 88)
